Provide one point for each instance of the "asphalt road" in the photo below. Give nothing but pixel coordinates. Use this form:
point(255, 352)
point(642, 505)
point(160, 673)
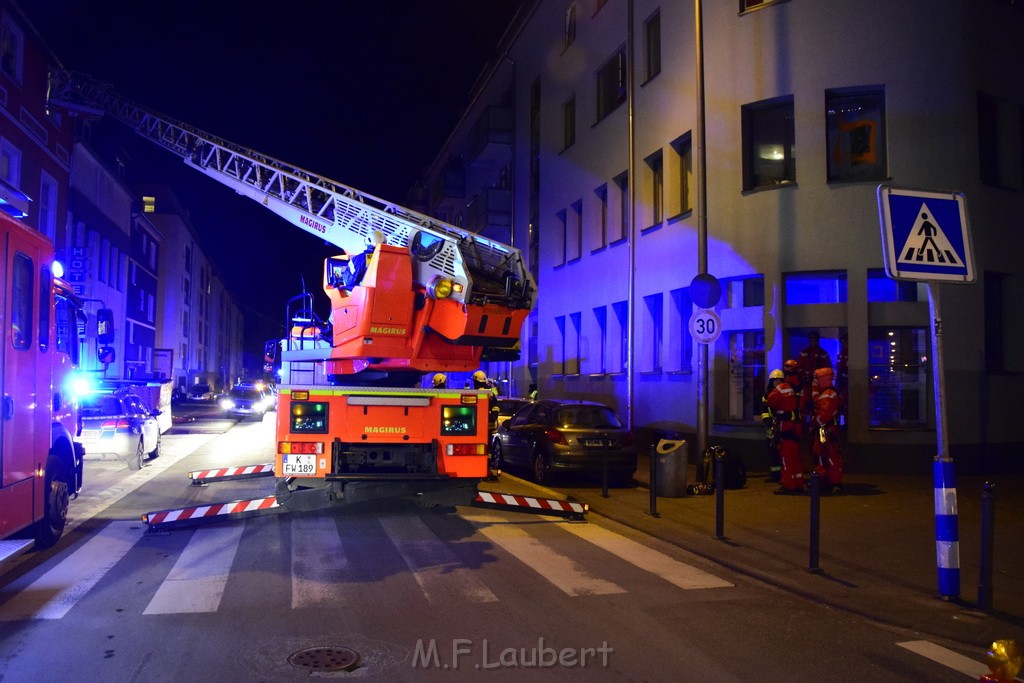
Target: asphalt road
point(401, 592)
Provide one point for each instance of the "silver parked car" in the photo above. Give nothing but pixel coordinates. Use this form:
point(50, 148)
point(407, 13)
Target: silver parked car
point(119, 423)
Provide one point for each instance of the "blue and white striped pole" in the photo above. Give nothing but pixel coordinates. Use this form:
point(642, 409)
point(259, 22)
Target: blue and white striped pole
point(947, 536)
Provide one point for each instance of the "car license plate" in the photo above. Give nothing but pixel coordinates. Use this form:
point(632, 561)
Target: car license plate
point(299, 464)
point(594, 443)
point(90, 433)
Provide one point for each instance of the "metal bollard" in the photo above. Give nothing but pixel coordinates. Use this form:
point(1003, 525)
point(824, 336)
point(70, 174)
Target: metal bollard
point(719, 493)
point(815, 522)
point(604, 474)
point(947, 532)
point(988, 515)
point(654, 484)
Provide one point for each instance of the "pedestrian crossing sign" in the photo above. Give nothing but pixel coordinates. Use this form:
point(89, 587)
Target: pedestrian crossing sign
point(925, 235)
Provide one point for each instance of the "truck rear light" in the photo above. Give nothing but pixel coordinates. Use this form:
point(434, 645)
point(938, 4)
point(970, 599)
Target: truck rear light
point(555, 436)
point(300, 447)
point(466, 449)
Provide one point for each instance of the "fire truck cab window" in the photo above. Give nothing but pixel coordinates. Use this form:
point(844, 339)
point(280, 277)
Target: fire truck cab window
point(45, 286)
point(425, 246)
point(22, 291)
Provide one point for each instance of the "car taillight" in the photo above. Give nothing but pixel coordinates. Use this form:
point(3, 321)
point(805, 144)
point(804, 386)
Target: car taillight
point(114, 424)
point(555, 436)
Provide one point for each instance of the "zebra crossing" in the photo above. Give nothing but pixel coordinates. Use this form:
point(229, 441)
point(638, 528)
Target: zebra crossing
point(343, 561)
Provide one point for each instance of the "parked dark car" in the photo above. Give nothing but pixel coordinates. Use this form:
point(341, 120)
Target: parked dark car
point(119, 423)
point(554, 436)
point(507, 407)
point(246, 400)
point(200, 393)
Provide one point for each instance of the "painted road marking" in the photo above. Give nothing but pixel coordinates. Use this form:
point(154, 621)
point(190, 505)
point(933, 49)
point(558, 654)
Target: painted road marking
point(947, 658)
point(319, 563)
point(58, 590)
point(197, 580)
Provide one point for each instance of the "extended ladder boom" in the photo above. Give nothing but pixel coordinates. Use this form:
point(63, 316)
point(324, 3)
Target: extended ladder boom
point(488, 271)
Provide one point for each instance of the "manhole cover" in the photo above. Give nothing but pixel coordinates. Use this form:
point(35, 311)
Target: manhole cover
point(325, 659)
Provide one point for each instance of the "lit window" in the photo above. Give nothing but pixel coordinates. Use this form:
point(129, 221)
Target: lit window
point(827, 287)
point(855, 126)
point(769, 150)
point(898, 377)
point(738, 392)
point(149, 204)
point(882, 288)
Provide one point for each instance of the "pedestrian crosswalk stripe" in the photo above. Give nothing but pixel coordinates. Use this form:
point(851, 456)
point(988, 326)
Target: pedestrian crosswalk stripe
point(679, 573)
point(55, 592)
point(562, 571)
point(947, 658)
point(197, 580)
point(435, 567)
point(319, 563)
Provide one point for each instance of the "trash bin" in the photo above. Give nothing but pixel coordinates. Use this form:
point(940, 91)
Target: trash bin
point(672, 465)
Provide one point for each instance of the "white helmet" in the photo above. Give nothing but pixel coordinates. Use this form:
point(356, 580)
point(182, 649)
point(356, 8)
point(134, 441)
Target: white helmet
point(374, 237)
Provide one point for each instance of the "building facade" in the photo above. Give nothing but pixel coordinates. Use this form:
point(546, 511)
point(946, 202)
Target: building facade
point(601, 169)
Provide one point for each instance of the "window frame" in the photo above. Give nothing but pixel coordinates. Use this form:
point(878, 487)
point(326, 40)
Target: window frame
point(761, 116)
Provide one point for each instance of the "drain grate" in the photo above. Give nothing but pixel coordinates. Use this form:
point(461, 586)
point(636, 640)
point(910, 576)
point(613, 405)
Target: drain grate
point(325, 659)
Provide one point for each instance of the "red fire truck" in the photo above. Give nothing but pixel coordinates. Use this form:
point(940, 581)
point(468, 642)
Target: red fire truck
point(40, 461)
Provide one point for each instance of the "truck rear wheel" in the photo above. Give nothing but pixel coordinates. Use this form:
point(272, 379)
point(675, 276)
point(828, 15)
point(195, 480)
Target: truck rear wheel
point(55, 511)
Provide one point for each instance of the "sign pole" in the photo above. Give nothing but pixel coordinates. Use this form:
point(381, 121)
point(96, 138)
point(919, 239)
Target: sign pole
point(947, 535)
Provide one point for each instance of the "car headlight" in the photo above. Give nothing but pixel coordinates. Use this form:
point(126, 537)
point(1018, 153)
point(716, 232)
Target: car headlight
point(227, 404)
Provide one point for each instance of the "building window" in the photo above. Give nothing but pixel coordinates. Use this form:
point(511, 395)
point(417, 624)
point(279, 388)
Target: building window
point(656, 188)
point(652, 41)
point(746, 5)
point(769, 154)
point(601, 224)
point(679, 357)
point(995, 322)
point(10, 163)
point(883, 289)
point(898, 377)
point(560, 326)
point(622, 228)
point(1000, 144)
point(618, 329)
point(599, 359)
point(569, 123)
point(570, 24)
point(651, 334)
point(680, 172)
point(12, 49)
point(826, 287)
point(855, 126)
point(744, 292)
point(575, 346)
point(47, 206)
point(611, 84)
point(561, 219)
point(574, 232)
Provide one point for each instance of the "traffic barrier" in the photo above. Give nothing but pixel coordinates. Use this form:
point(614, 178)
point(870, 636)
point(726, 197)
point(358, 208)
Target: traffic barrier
point(200, 477)
point(192, 516)
point(988, 517)
point(514, 503)
point(947, 535)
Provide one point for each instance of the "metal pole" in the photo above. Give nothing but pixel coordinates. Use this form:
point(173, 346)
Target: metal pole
point(604, 474)
point(947, 536)
point(815, 522)
point(702, 223)
point(988, 518)
point(719, 494)
point(630, 196)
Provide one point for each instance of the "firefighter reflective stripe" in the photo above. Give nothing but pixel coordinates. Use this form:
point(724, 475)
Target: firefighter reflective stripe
point(238, 507)
point(507, 499)
point(197, 580)
point(226, 473)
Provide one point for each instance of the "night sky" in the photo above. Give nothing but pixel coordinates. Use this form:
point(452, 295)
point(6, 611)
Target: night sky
point(363, 92)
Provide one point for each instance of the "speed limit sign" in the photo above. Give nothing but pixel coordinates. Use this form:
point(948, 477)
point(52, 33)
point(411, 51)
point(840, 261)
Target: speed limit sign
point(705, 325)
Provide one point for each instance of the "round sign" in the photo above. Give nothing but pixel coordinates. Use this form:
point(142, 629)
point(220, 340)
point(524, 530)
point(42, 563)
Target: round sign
point(705, 326)
point(705, 291)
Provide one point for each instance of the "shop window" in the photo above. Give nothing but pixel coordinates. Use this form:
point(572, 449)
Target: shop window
point(747, 378)
point(855, 127)
point(899, 377)
point(825, 287)
point(769, 150)
point(882, 288)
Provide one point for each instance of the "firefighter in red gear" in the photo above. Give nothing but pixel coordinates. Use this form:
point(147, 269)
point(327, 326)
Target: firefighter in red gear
point(786, 402)
point(828, 461)
point(771, 429)
point(812, 358)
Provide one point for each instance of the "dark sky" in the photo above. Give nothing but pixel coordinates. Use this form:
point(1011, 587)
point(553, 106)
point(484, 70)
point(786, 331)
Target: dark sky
point(362, 91)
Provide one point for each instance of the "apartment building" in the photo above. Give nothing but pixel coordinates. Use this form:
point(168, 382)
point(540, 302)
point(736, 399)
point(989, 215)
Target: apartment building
point(587, 121)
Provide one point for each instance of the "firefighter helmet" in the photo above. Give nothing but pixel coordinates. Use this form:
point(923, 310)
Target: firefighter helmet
point(440, 380)
point(823, 376)
point(790, 367)
point(480, 376)
point(374, 237)
point(776, 374)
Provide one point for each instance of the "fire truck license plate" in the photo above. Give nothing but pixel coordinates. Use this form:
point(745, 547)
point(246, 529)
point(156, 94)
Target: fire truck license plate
point(299, 463)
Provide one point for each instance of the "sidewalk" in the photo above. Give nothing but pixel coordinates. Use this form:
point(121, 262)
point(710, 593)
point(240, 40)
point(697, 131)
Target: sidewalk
point(877, 554)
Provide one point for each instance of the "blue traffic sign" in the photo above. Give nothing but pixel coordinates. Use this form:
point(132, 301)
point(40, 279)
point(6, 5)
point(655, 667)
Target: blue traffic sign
point(925, 235)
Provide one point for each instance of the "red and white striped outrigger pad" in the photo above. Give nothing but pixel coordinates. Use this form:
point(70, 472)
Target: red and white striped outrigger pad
point(215, 512)
point(517, 503)
point(226, 473)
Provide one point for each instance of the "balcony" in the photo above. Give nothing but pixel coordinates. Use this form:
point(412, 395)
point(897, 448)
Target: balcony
point(490, 139)
point(490, 213)
point(448, 189)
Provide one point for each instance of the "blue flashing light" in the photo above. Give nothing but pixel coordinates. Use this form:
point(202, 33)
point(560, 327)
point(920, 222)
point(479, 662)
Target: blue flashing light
point(58, 269)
